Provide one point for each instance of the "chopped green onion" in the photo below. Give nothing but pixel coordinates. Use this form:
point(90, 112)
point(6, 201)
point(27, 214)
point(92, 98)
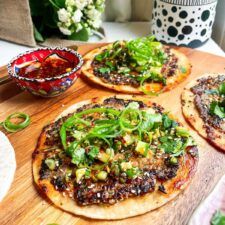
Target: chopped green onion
point(50, 163)
point(102, 175)
point(173, 160)
point(130, 119)
point(80, 173)
point(182, 132)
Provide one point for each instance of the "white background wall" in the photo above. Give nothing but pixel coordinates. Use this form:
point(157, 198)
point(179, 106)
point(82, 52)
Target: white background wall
point(219, 25)
point(141, 10)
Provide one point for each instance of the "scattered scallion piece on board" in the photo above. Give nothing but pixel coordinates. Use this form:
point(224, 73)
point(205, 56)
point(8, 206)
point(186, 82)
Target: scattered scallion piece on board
point(12, 127)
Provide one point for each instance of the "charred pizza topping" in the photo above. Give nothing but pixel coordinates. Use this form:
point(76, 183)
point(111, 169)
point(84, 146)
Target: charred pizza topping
point(115, 150)
point(210, 102)
point(135, 62)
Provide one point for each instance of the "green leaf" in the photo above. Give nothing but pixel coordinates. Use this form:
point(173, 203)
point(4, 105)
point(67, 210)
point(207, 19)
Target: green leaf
point(36, 7)
point(37, 35)
point(78, 156)
point(102, 56)
point(150, 121)
point(167, 122)
point(60, 3)
point(54, 4)
point(215, 109)
point(171, 146)
point(93, 152)
point(133, 172)
point(218, 218)
point(82, 35)
point(50, 18)
point(104, 70)
point(110, 65)
point(222, 89)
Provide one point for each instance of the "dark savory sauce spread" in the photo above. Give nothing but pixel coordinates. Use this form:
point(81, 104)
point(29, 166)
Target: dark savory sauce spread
point(206, 94)
point(113, 160)
point(52, 66)
point(135, 62)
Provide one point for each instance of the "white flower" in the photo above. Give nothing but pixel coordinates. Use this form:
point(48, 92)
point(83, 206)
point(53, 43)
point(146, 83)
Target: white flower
point(68, 23)
point(63, 15)
point(65, 31)
point(77, 16)
point(69, 9)
point(80, 4)
point(93, 13)
point(70, 3)
point(96, 23)
point(79, 27)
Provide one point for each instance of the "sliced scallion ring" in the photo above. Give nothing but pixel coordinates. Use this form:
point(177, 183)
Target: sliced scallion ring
point(128, 116)
point(14, 127)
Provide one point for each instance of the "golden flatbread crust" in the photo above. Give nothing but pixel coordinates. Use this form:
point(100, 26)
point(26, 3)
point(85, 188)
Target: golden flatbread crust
point(191, 114)
point(124, 209)
point(172, 81)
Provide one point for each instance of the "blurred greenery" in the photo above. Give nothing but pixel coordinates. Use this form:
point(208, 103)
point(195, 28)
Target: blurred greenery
point(45, 19)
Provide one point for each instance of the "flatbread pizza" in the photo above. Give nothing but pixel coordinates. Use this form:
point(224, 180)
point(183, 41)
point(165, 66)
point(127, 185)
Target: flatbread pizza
point(203, 104)
point(114, 158)
point(138, 66)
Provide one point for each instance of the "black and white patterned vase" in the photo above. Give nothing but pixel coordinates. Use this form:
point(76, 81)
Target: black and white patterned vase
point(183, 22)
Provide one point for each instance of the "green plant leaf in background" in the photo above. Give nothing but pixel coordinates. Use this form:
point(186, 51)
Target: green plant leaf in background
point(54, 4)
point(50, 18)
point(37, 35)
point(82, 35)
point(37, 7)
point(60, 3)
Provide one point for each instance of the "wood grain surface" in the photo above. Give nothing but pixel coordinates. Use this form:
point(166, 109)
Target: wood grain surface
point(24, 205)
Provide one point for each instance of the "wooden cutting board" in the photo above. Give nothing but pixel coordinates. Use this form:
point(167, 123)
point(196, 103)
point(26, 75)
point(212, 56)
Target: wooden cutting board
point(24, 205)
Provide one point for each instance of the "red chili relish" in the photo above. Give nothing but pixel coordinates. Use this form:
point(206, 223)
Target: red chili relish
point(50, 67)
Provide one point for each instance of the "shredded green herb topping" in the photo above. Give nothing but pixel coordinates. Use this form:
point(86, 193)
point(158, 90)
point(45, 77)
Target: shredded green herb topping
point(218, 107)
point(94, 137)
point(141, 59)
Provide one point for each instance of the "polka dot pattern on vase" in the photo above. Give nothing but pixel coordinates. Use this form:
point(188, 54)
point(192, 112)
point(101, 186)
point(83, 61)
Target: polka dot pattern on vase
point(179, 22)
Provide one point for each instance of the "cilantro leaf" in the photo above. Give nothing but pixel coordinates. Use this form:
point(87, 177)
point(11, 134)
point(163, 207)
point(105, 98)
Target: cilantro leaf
point(110, 65)
point(104, 70)
point(150, 121)
point(78, 156)
point(102, 56)
point(133, 172)
point(171, 146)
point(93, 152)
point(167, 122)
point(217, 109)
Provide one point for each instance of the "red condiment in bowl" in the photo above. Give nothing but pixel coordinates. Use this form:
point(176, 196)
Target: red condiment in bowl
point(46, 71)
